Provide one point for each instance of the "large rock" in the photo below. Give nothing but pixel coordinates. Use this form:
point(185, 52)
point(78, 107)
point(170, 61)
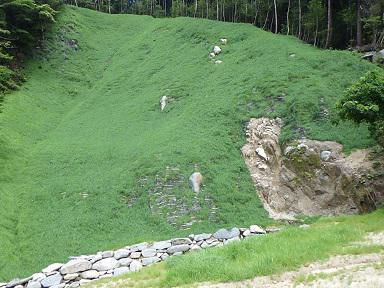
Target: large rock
point(17, 282)
point(162, 245)
point(148, 252)
point(51, 268)
point(52, 280)
point(77, 265)
point(106, 264)
point(120, 271)
point(256, 229)
point(223, 234)
point(135, 266)
point(201, 237)
point(181, 241)
point(150, 260)
point(33, 284)
point(121, 253)
point(125, 261)
point(178, 248)
point(90, 274)
point(72, 276)
point(195, 181)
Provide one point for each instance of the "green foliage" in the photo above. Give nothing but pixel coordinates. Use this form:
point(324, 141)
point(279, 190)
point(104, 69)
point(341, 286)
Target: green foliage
point(364, 102)
point(83, 141)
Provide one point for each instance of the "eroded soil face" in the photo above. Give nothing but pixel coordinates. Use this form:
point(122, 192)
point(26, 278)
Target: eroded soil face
point(308, 177)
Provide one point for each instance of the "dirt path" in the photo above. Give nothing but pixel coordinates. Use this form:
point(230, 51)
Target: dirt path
point(355, 271)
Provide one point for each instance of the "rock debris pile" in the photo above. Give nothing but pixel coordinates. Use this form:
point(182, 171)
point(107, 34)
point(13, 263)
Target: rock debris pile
point(83, 269)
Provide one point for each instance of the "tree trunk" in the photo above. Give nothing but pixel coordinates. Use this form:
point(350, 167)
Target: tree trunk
point(358, 28)
point(276, 27)
point(194, 15)
point(317, 28)
point(217, 10)
point(329, 28)
point(289, 7)
point(299, 19)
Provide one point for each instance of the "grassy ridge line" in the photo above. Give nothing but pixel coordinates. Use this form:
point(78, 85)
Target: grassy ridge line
point(259, 256)
point(88, 121)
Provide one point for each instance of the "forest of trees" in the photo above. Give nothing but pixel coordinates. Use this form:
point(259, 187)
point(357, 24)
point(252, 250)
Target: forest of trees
point(337, 24)
point(325, 23)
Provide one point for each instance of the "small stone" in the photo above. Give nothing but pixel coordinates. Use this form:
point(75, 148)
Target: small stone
point(148, 252)
point(288, 150)
point(125, 261)
point(256, 229)
point(178, 248)
point(216, 50)
point(223, 41)
point(135, 266)
point(227, 234)
point(105, 264)
point(304, 226)
point(162, 245)
point(302, 146)
point(261, 152)
point(90, 274)
point(201, 237)
point(135, 255)
point(211, 55)
point(121, 253)
point(181, 241)
point(52, 280)
point(107, 254)
point(71, 276)
point(163, 102)
point(120, 271)
point(150, 260)
point(325, 155)
point(218, 62)
point(77, 265)
point(52, 268)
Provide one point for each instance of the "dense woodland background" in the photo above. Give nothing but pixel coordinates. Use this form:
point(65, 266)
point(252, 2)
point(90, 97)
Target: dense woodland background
point(338, 24)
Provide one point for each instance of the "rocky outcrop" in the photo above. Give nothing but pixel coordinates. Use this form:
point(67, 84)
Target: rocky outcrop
point(83, 269)
point(306, 177)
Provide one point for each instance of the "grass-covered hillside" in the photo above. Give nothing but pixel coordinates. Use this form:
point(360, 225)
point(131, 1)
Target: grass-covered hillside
point(89, 162)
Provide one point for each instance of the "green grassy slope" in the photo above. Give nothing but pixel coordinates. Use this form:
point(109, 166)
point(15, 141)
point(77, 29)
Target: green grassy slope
point(84, 139)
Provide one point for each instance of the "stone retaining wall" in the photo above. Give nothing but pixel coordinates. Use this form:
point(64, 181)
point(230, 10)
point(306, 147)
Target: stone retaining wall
point(83, 269)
